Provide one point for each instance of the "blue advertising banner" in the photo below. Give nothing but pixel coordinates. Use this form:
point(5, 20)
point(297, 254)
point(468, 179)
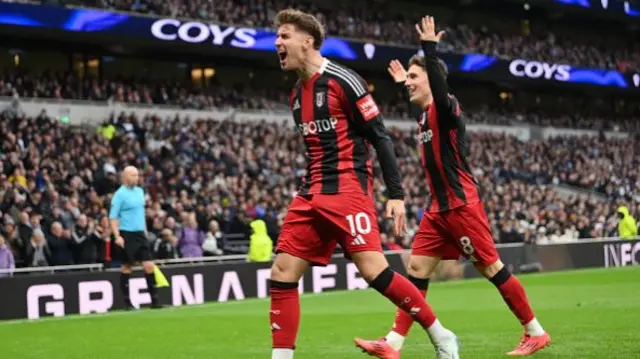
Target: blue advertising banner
point(617, 7)
point(203, 37)
point(519, 69)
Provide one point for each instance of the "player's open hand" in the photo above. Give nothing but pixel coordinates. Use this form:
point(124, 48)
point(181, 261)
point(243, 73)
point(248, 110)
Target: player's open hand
point(397, 71)
point(427, 30)
point(396, 211)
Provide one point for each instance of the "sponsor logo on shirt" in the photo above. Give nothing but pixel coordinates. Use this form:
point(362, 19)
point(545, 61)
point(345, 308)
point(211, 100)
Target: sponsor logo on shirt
point(367, 107)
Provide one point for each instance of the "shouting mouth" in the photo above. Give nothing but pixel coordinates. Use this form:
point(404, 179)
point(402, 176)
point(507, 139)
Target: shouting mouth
point(282, 54)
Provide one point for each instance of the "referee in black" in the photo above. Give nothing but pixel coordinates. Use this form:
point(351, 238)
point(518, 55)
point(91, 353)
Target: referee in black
point(129, 229)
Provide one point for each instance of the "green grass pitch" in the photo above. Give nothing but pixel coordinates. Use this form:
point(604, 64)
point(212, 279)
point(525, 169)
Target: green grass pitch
point(589, 314)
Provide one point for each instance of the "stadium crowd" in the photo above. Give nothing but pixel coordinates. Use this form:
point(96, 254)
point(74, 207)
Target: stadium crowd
point(380, 22)
point(65, 85)
point(206, 180)
point(58, 85)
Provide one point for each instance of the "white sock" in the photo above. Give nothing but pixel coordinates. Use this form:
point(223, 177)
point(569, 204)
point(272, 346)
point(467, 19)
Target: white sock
point(533, 328)
point(282, 354)
point(395, 340)
point(437, 332)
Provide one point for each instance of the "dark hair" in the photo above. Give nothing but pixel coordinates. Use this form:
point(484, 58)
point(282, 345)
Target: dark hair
point(419, 61)
point(304, 22)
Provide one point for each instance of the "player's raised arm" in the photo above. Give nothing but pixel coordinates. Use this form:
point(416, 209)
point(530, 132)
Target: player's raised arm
point(437, 79)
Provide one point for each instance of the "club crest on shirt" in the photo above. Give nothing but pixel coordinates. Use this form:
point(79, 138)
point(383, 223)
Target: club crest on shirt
point(320, 99)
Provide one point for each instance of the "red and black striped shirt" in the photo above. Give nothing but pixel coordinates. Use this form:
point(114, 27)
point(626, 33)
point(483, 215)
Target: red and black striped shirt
point(339, 121)
point(444, 145)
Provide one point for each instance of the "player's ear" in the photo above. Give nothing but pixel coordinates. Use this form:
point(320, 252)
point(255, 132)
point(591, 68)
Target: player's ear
point(308, 42)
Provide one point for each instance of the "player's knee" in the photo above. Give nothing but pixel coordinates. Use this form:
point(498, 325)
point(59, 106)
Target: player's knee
point(126, 269)
point(277, 271)
point(370, 264)
point(421, 267)
point(286, 268)
point(417, 271)
point(282, 273)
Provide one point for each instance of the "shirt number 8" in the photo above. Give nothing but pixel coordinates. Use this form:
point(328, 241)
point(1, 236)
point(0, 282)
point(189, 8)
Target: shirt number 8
point(467, 248)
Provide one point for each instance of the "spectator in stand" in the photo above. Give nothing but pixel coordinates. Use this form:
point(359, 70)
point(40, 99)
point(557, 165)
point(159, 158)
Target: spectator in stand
point(107, 130)
point(13, 241)
point(170, 223)
point(85, 246)
point(61, 245)
point(102, 238)
point(6, 257)
point(38, 252)
point(260, 244)
point(25, 229)
point(35, 217)
point(627, 228)
point(18, 177)
point(191, 237)
point(165, 247)
point(211, 245)
point(153, 231)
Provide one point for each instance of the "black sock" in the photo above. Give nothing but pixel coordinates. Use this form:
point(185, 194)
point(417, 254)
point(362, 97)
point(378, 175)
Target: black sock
point(501, 277)
point(124, 287)
point(151, 287)
point(383, 280)
point(421, 283)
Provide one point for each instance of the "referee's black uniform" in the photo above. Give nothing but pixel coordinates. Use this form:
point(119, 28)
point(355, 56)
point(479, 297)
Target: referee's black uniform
point(128, 207)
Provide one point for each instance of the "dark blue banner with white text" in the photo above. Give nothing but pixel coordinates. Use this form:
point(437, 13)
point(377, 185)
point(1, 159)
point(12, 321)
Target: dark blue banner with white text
point(204, 38)
point(616, 7)
point(616, 10)
point(46, 295)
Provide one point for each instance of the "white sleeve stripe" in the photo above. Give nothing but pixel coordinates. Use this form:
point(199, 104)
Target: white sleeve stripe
point(355, 86)
point(350, 79)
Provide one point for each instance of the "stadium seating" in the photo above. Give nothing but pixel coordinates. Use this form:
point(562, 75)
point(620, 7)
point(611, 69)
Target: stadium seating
point(231, 172)
point(65, 85)
point(58, 85)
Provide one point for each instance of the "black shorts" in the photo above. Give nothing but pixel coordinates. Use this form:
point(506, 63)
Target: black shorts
point(136, 247)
